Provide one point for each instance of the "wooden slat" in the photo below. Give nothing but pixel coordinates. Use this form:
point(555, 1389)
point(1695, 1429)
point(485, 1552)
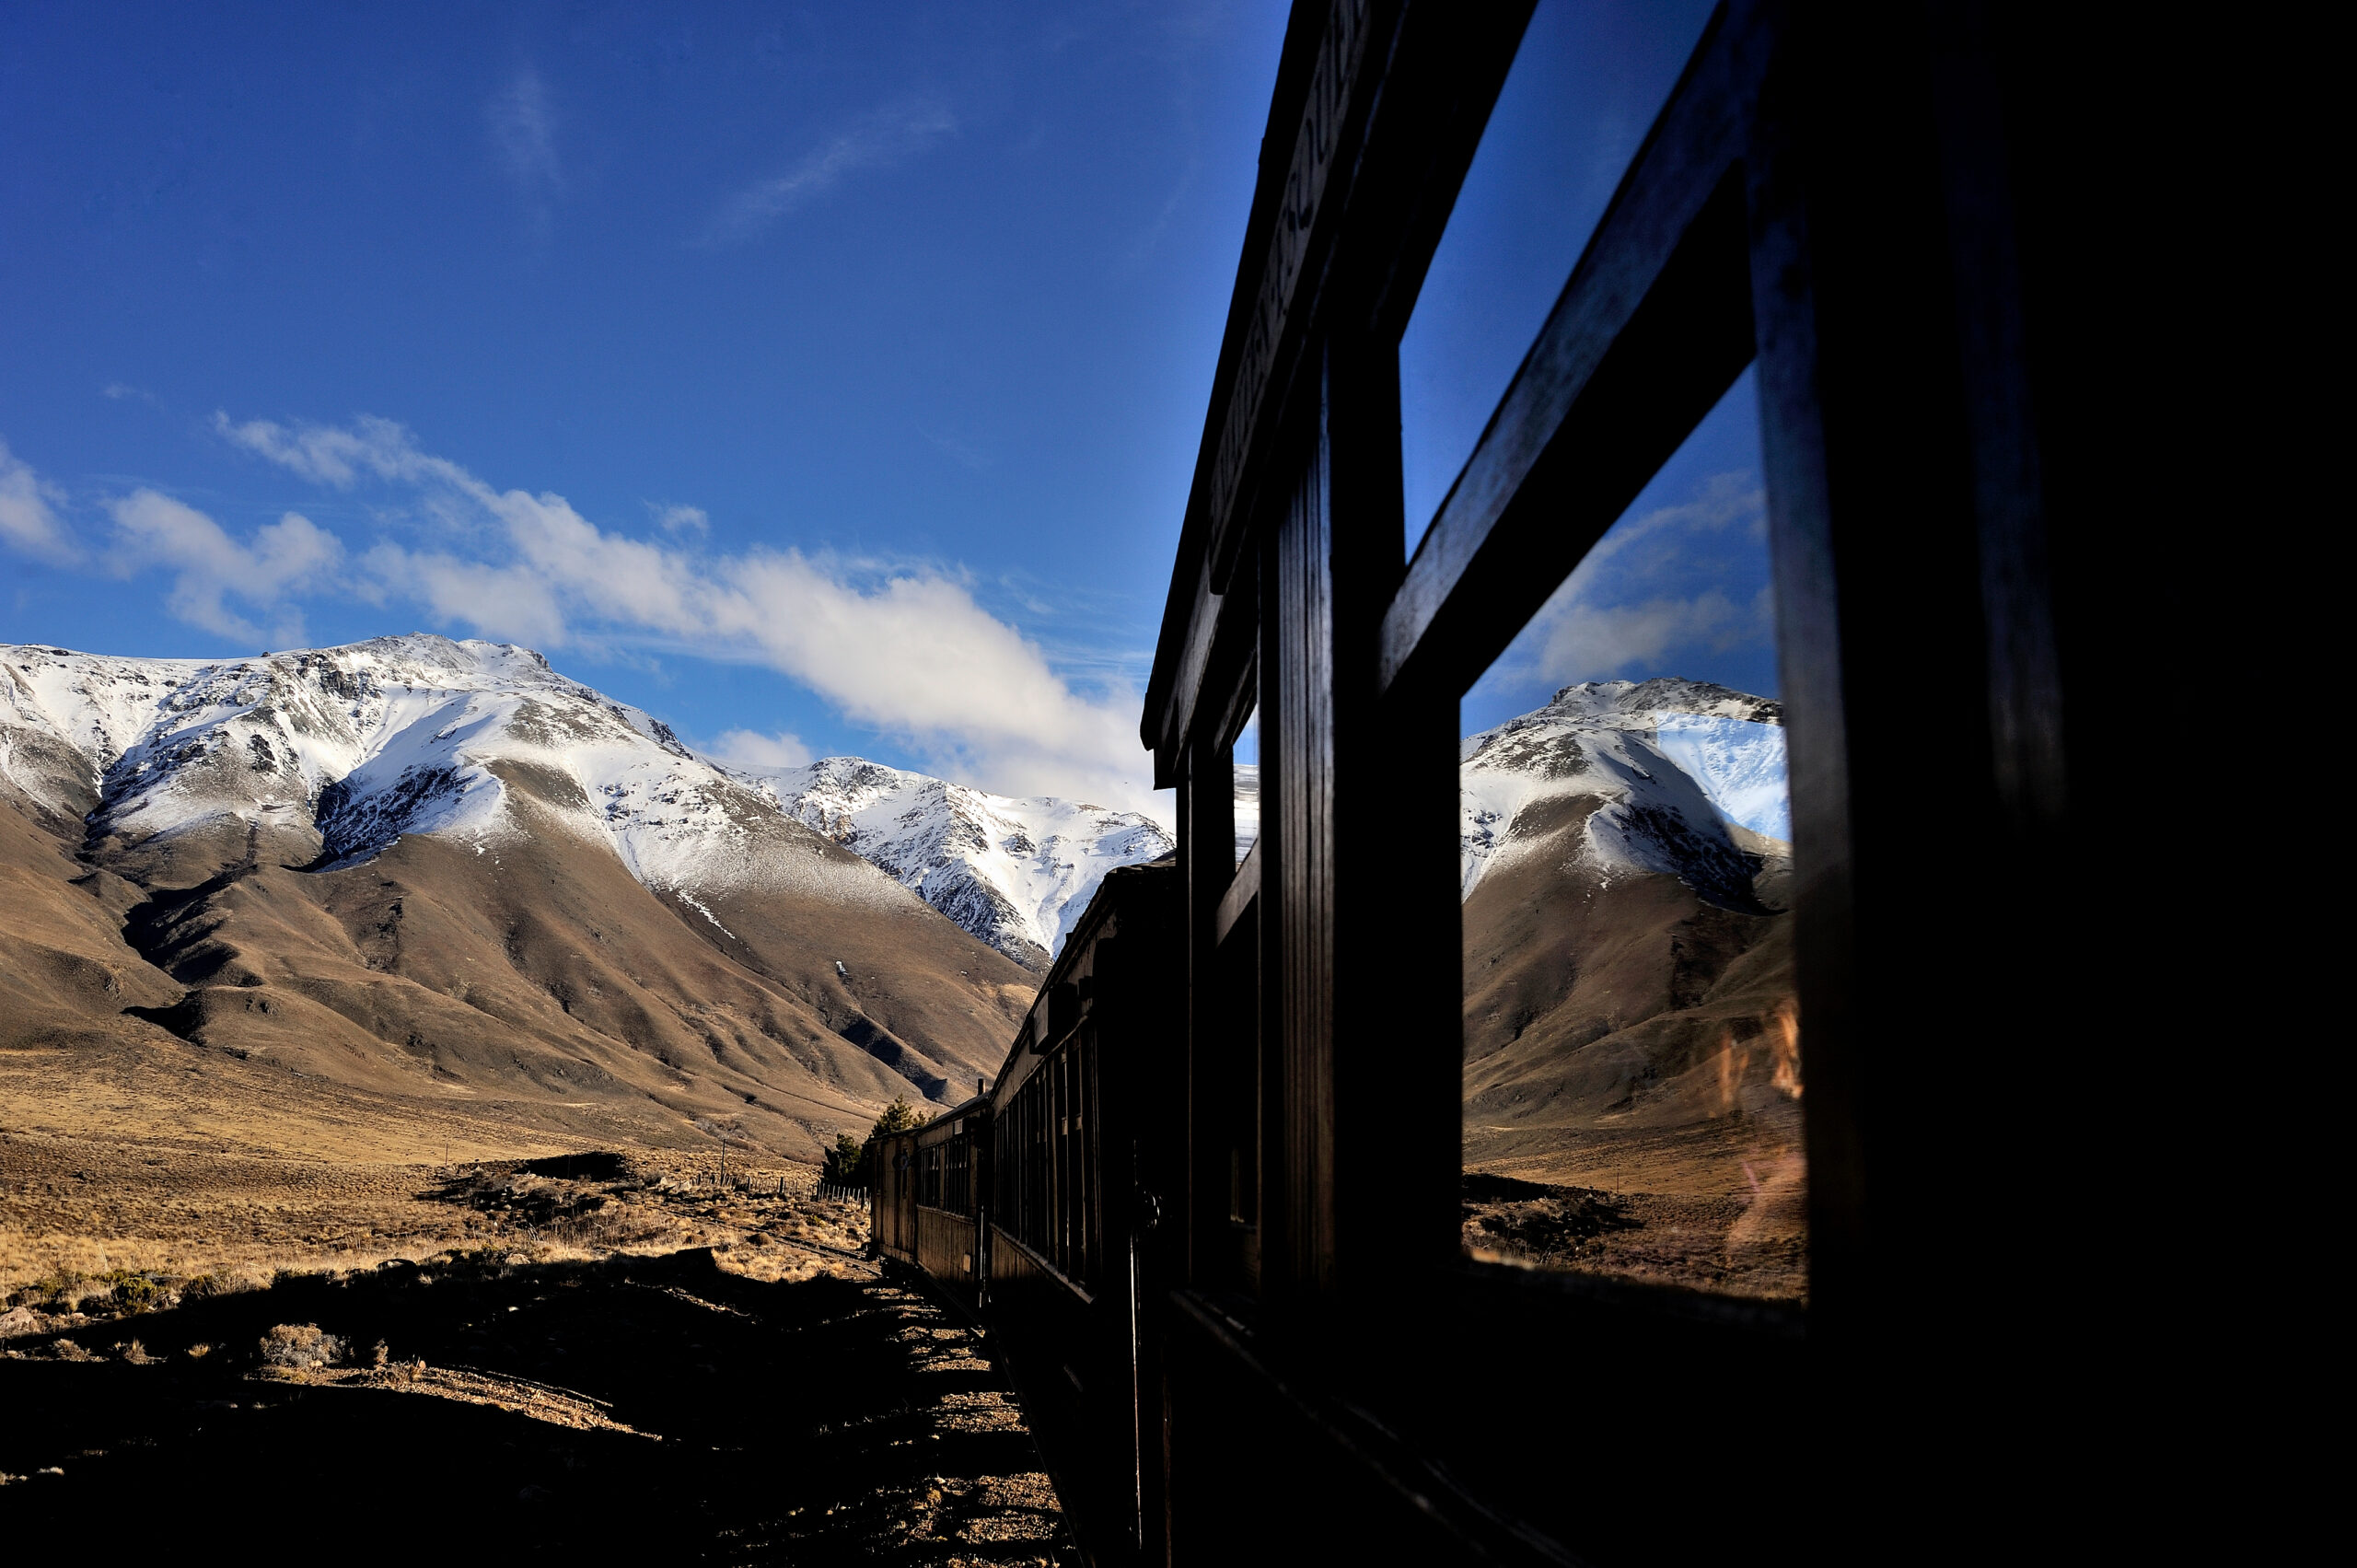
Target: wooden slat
point(1240, 892)
point(1285, 220)
point(1653, 322)
point(1276, 327)
point(1388, 119)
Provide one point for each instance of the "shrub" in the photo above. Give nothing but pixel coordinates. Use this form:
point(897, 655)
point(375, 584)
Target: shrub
point(138, 1292)
point(51, 1292)
point(297, 1346)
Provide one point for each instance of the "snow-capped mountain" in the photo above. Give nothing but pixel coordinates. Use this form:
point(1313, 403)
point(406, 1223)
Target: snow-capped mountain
point(1014, 872)
point(441, 872)
point(1630, 1020)
point(1679, 777)
point(329, 755)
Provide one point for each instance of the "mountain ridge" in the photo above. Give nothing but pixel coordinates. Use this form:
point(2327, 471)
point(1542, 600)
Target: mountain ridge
point(444, 872)
point(333, 744)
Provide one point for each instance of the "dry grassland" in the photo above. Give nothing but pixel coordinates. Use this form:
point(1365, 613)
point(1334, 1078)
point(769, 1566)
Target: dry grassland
point(159, 1157)
point(216, 1277)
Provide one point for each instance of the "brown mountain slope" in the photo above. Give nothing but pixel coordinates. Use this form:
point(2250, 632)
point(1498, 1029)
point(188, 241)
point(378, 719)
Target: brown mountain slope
point(1625, 1034)
point(532, 980)
point(65, 972)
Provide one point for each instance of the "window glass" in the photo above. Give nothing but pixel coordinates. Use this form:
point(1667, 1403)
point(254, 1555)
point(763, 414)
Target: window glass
point(1228, 1110)
point(1246, 758)
point(1633, 1077)
point(1586, 83)
point(956, 1194)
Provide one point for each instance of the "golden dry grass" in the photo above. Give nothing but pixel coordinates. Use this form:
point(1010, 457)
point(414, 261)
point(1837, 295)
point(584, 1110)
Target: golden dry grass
point(156, 1155)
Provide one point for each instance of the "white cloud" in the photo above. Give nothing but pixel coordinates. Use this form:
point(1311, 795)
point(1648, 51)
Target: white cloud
point(211, 568)
point(884, 136)
point(523, 130)
point(755, 752)
point(28, 504)
point(514, 602)
point(1602, 641)
point(1641, 595)
point(337, 456)
point(906, 651)
point(681, 520)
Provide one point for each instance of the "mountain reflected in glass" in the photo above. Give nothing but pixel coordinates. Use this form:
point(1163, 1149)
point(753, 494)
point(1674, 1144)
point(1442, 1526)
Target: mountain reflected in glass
point(1632, 1081)
point(1631, 1062)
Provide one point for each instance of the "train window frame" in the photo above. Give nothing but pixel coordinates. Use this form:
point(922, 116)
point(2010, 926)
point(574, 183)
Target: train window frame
point(1849, 230)
point(1778, 208)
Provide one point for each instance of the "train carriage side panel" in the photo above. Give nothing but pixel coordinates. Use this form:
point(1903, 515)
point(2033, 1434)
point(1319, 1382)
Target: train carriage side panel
point(892, 1196)
point(1073, 1214)
point(949, 1163)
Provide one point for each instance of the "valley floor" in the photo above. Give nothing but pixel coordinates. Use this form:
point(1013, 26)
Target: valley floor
point(470, 1405)
point(153, 1155)
point(540, 1344)
point(1721, 1207)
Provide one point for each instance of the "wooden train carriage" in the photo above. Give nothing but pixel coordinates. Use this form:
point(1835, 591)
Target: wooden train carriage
point(949, 1180)
point(892, 1194)
point(1902, 217)
point(926, 1195)
point(1088, 1141)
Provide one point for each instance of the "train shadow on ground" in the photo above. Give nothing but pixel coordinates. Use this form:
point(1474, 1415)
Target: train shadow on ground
point(585, 1410)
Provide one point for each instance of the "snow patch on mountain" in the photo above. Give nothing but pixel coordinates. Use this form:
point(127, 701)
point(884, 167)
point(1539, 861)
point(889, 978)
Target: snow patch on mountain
point(1015, 872)
point(1738, 765)
point(1664, 769)
point(337, 753)
point(1248, 809)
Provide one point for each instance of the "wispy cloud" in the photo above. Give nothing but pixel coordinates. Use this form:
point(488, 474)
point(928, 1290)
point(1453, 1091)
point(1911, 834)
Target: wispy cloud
point(523, 126)
point(523, 132)
point(119, 391)
point(681, 520)
point(29, 521)
point(1152, 235)
point(903, 650)
point(882, 137)
point(1651, 591)
point(965, 454)
point(761, 753)
point(211, 568)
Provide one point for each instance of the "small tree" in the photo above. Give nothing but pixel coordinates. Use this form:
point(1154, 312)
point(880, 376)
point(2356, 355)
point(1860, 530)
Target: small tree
point(846, 1162)
point(898, 1117)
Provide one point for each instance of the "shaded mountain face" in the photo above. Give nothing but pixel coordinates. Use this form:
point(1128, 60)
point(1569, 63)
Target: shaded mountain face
point(1629, 1026)
point(429, 868)
point(1014, 873)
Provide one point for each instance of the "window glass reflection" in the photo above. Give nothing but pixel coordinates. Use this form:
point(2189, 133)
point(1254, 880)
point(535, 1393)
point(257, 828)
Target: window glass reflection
point(1632, 1073)
point(1245, 755)
point(1586, 83)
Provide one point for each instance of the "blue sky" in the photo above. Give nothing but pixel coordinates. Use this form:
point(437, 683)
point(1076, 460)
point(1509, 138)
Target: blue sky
point(820, 379)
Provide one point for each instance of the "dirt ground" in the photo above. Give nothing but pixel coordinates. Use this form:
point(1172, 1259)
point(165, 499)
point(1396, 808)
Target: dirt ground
point(161, 1157)
point(247, 1308)
point(1722, 1207)
point(778, 1401)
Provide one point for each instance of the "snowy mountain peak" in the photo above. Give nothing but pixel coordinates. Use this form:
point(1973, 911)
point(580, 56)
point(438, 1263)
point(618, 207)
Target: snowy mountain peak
point(1677, 777)
point(332, 754)
point(1642, 699)
point(1015, 872)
